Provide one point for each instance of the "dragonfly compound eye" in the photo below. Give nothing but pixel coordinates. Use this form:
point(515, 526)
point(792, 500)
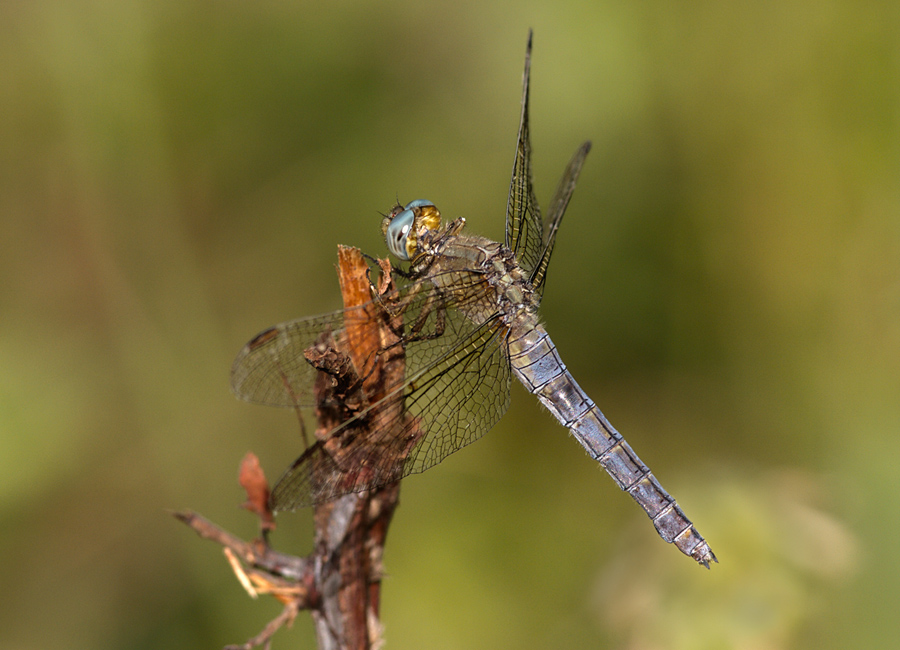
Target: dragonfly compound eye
point(397, 233)
point(403, 226)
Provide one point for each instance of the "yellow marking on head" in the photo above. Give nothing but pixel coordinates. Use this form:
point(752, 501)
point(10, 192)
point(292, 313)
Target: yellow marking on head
point(427, 218)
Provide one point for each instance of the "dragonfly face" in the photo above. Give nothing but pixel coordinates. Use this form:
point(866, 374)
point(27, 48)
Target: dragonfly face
point(466, 322)
point(403, 226)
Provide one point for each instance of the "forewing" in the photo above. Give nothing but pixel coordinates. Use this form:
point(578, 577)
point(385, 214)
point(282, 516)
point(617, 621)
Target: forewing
point(557, 210)
point(272, 369)
point(523, 215)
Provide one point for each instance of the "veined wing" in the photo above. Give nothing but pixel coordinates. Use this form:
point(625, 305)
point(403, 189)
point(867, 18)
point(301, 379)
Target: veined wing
point(557, 210)
point(525, 232)
point(455, 388)
point(452, 394)
point(271, 369)
point(524, 228)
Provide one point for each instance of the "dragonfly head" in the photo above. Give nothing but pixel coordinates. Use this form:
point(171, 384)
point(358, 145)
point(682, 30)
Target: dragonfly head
point(403, 225)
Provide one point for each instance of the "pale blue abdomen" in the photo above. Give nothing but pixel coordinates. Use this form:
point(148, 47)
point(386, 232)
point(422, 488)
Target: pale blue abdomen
point(536, 363)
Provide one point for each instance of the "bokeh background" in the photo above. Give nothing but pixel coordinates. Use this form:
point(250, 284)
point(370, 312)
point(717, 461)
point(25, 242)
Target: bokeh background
point(176, 177)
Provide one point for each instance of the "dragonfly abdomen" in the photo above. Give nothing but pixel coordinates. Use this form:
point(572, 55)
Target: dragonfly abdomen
point(538, 366)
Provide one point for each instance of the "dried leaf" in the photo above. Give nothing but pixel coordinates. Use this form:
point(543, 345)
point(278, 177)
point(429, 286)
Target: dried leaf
point(253, 480)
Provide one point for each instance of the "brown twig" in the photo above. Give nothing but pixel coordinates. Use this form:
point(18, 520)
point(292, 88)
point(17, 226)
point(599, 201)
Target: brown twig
point(255, 553)
point(264, 638)
point(352, 530)
point(340, 582)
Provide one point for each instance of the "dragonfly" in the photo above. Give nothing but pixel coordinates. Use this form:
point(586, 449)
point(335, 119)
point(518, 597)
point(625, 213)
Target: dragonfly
point(466, 319)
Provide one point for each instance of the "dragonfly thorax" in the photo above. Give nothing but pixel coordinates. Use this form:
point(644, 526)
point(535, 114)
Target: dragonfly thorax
point(403, 226)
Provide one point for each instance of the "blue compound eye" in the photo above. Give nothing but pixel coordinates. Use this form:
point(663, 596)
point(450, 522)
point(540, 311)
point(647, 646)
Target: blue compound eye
point(418, 203)
point(398, 232)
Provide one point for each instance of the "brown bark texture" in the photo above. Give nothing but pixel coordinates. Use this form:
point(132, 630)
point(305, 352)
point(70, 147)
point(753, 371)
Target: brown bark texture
point(340, 581)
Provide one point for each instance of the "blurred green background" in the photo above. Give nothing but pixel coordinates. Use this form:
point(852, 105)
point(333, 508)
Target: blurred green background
point(176, 177)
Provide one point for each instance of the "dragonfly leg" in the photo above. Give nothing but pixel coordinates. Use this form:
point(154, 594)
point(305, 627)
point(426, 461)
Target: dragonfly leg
point(433, 305)
point(406, 275)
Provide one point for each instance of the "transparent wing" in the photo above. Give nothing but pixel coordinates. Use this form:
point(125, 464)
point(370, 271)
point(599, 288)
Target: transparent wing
point(271, 369)
point(523, 215)
point(455, 388)
point(448, 404)
point(557, 210)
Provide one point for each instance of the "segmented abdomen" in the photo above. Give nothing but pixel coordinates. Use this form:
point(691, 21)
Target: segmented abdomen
point(537, 365)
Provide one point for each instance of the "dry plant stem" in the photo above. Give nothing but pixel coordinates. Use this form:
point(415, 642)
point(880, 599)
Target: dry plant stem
point(255, 553)
point(340, 582)
point(264, 638)
point(351, 531)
